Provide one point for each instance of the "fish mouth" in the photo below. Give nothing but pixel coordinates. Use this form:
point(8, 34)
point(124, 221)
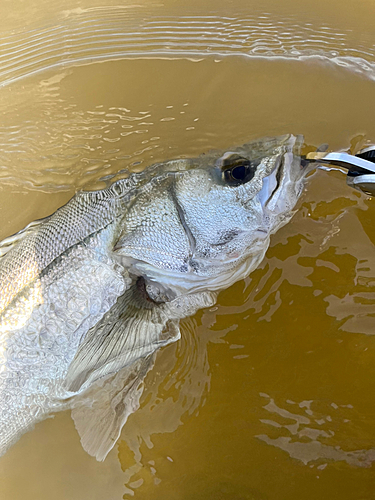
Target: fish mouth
point(283, 186)
point(271, 183)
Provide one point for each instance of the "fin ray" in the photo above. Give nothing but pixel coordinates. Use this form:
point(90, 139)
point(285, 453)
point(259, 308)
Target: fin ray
point(103, 410)
point(111, 363)
point(132, 329)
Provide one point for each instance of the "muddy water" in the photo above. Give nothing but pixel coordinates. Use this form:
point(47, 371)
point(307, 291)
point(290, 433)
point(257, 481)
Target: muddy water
point(270, 394)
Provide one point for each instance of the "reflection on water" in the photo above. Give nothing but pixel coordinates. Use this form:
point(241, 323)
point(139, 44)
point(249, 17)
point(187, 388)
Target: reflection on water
point(270, 393)
point(306, 436)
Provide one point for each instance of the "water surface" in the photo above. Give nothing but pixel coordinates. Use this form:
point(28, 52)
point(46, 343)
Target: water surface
point(270, 394)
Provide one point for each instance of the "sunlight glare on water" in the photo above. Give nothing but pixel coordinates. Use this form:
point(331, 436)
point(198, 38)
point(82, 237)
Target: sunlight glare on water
point(269, 394)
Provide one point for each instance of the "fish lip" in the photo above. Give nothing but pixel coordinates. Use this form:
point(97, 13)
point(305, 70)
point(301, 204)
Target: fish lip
point(269, 185)
point(290, 170)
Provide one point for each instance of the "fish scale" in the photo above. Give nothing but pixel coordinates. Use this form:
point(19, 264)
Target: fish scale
point(35, 359)
point(89, 294)
point(86, 214)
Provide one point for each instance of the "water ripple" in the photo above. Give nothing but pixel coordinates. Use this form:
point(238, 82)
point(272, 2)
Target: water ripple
point(84, 36)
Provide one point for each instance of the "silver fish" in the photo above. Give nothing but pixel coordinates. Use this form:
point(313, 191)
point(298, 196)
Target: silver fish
point(90, 293)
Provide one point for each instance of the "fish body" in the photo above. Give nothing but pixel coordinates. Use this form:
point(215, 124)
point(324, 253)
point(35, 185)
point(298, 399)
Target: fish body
point(89, 294)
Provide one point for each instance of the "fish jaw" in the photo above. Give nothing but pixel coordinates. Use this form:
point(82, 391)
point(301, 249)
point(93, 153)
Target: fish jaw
point(282, 189)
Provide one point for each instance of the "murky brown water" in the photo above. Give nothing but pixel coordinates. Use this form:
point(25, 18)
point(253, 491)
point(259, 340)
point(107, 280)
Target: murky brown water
point(271, 394)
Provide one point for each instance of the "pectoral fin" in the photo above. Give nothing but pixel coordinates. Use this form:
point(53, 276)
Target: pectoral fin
point(114, 358)
point(134, 328)
point(108, 369)
point(100, 413)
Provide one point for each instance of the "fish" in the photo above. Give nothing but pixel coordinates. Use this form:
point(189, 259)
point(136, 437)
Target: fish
point(90, 293)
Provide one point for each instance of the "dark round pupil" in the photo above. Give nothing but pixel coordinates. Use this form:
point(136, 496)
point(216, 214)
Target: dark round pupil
point(239, 173)
point(237, 170)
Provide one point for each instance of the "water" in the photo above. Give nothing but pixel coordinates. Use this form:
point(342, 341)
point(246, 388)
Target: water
point(270, 394)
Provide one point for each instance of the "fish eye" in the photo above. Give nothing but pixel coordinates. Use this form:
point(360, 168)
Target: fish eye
point(237, 170)
point(239, 173)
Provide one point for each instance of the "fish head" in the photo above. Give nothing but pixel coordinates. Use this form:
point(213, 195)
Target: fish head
point(204, 223)
point(232, 204)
